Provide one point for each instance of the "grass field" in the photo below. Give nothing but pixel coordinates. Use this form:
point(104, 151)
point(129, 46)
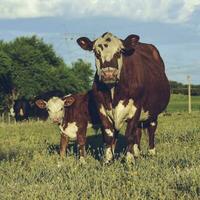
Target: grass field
point(179, 103)
point(30, 167)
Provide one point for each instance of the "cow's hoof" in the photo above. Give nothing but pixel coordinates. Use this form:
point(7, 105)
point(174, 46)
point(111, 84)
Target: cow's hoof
point(82, 160)
point(130, 158)
point(152, 152)
point(108, 162)
point(108, 155)
point(136, 150)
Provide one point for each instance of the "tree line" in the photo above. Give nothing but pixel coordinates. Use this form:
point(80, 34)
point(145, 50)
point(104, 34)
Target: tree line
point(179, 88)
point(29, 66)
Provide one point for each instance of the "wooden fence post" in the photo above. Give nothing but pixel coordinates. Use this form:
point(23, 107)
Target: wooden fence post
point(189, 94)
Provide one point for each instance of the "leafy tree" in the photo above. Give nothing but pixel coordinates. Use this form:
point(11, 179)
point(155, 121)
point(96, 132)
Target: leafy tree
point(179, 88)
point(29, 67)
point(84, 74)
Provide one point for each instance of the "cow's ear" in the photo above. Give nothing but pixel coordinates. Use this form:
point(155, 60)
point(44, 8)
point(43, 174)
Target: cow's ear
point(85, 43)
point(41, 103)
point(68, 101)
point(129, 44)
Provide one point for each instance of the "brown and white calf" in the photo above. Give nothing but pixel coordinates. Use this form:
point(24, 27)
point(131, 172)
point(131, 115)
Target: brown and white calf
point(130, 83)
point(74, 114)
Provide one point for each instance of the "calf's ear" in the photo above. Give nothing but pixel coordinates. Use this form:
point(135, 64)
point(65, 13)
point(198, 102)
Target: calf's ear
point(129, 44)
point(68, 101)
point(85, 43)
point(41, 103)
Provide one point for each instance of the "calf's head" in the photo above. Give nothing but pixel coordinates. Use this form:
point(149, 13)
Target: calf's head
point(109, 51)
point(55, 107)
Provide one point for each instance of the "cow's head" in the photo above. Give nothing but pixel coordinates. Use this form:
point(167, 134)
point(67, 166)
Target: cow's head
point(55, 107)
point(109, 51)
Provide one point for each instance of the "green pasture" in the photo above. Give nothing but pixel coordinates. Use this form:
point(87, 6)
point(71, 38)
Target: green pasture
point(179, 103)
point(30, 167)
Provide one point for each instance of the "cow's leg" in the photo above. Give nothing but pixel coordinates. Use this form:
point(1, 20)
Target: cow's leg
point(110, 142)
point(63, 144)
point(130, 139)
point(109, 134)
point(81, 140)
point(151, 132)
point(136, 146)
point(132, 135)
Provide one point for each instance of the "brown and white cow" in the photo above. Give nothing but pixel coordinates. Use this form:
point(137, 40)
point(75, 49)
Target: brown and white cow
point(74, 114)
point(130, 87)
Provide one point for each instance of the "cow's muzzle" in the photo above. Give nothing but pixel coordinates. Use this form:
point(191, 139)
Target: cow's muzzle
point(109, 75)
point(56, 120)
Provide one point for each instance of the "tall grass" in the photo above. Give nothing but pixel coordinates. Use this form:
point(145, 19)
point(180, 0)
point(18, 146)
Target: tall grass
point(30, 167)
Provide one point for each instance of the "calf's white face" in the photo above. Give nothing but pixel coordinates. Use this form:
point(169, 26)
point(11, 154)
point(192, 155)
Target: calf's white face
point(55, 108)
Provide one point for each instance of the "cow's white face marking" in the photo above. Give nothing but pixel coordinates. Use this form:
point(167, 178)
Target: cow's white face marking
point(108, 57)
point(55, 108)
point(120, 113)
point(70, 130)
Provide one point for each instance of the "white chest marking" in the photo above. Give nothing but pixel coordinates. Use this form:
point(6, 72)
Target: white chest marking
point(120, 113)
point(112, 92)
point(70, 130)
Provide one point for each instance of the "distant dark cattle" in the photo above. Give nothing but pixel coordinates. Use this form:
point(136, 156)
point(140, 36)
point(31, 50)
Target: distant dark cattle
point(22, 109)
point(130, 87)
point(74, 114)
point(42, 113)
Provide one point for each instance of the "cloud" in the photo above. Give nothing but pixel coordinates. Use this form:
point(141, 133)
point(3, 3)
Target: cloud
point(168, 11)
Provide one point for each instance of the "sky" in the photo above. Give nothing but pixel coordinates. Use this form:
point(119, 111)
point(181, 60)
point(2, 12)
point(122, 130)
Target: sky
point(172, 26)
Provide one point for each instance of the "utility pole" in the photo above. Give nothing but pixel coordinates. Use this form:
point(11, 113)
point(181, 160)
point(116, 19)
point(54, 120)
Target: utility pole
point(189, 94)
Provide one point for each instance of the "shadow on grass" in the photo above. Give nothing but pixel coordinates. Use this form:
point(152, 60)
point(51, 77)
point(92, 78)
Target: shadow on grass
point(8, 156)
point(94, 146)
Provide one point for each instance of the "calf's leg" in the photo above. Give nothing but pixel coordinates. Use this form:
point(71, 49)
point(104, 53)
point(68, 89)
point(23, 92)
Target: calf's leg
point(81, 140)
point(63, 144)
